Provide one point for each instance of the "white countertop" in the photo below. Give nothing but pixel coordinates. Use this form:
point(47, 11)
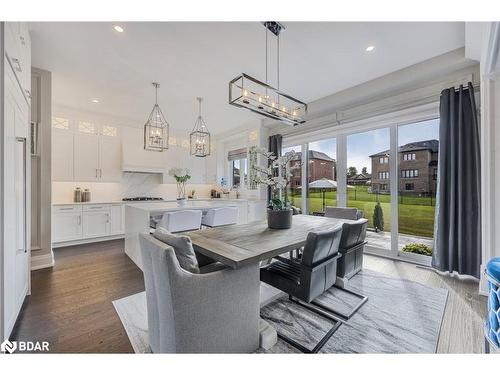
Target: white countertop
point(222, 200)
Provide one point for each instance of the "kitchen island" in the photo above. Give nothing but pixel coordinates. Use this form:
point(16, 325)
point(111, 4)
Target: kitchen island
point(138, 217)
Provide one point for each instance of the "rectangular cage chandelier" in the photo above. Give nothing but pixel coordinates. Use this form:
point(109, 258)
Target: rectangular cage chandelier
point(262, 98)
point(259, 97)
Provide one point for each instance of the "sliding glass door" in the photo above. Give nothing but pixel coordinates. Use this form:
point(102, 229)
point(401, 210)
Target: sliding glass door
point(418, 150)
point(368, 183)
point(321, 175)
point(293, 192)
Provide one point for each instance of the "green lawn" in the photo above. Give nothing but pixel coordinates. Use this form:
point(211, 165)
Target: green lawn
point(416, 214)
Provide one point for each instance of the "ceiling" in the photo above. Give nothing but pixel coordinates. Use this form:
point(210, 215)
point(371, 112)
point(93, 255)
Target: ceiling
point(90, 60)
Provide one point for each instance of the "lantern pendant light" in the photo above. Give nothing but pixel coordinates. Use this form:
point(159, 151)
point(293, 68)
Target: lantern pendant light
point(156, 128)
point(200, 136)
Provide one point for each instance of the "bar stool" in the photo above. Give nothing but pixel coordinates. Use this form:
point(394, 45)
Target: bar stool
point(181, 221)
point(217, 217)
point(492, 324)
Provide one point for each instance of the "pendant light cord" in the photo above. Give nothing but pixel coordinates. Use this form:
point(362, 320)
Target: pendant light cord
point(278, 61)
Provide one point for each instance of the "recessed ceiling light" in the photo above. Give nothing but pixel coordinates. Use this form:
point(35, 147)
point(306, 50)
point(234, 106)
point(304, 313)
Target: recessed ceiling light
point(95, 100)
point(370, 48)
point(118, 28)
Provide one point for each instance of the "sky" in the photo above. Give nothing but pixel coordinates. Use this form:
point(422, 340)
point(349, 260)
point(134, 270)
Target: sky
point(361, 145)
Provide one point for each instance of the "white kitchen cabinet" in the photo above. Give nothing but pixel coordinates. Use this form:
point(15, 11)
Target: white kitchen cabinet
point(87, 157)
point(77, 223)
point(96, 221)
point(67, 224)
point(117, 222)
point(62, 155)
point(110, 162)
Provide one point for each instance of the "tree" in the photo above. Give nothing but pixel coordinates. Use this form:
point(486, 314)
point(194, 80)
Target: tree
point(352, 171)
point(364, 171)
point(378, 218)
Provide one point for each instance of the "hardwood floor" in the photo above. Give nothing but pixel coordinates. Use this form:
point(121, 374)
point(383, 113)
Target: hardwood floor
point(71, 307)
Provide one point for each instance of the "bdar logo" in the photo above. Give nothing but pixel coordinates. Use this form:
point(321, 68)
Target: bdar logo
point(8, 347)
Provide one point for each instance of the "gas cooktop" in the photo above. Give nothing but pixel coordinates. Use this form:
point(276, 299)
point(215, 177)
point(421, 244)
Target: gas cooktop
point(143, 199)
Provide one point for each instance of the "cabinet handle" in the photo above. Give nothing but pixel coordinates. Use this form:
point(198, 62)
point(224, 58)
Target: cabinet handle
point(79, 220)
point(107, 218)
point(28, 93)
point(21, 38)
point(65, 208)
point(16, 61)
point(96, 173)
point(100, 173)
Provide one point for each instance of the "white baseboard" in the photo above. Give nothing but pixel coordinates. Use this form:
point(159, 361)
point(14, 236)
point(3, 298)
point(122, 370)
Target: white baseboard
point(87, 240)
point(42, 261)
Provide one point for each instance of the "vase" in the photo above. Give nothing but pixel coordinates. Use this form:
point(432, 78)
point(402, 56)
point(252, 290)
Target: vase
point(182, 202)
point(279, 219)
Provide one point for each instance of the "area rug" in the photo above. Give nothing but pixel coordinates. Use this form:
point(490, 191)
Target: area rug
point(400, 316)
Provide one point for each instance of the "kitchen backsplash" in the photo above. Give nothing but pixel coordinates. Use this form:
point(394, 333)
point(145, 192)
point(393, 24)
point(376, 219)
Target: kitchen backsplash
point(133, 185)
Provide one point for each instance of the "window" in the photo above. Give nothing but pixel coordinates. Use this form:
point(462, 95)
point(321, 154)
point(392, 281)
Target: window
point(293, 193)
point(383, 175)
point(409, 173)
point(237, 167)
point(409, 156)
point(416, 201)
point(86, 127)
point(238, 173)
point(321, 175)
point(384, 160)
point(383, 187)
point(109, 131)
point(60, 123)
point(435, 174)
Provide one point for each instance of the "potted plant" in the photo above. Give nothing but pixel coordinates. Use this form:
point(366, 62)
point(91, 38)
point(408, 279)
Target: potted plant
point(277, 177)
point(181, 176)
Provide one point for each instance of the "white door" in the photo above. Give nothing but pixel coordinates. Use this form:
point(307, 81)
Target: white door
point(86, 157)
point(117, 219)
point(66, 226)
point(110, 159)
point(62, 155)
point(96, 223)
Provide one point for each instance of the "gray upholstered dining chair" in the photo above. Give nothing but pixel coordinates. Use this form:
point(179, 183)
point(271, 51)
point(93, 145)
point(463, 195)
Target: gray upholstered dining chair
point(307, 279)
point(215, 312)
point(346, 213)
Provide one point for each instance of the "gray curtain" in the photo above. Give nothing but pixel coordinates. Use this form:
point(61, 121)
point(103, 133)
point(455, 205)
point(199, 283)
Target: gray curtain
point(275, 142)
point(457, 239)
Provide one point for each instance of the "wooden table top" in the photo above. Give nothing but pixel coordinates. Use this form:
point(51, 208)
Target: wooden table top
point(239, 245)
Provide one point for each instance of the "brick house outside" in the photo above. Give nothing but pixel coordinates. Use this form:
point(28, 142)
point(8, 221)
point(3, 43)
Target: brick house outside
point(320, 166)
point(418, 162)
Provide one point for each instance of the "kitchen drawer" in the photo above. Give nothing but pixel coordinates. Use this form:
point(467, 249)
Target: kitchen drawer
point(66, 208)
point(95, 207)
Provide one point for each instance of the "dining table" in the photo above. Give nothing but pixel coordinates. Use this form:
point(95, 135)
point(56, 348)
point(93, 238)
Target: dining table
point(244, 244)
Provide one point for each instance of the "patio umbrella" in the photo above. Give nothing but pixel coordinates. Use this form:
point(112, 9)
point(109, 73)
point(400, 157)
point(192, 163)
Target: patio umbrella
point(323, 184)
